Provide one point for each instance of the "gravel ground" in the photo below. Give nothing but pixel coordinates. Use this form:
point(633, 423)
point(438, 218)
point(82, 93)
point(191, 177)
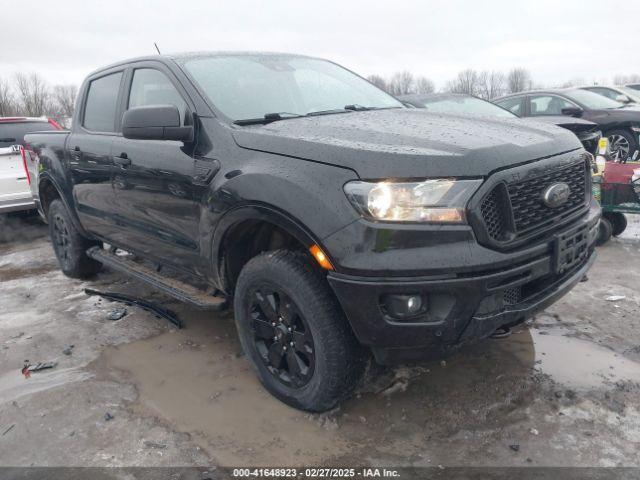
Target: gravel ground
point(561, 391)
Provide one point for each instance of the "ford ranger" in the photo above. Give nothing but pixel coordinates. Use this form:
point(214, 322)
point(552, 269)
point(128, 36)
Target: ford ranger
point(336, 221)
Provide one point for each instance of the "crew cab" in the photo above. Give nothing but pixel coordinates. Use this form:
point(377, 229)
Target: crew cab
point(338, 222)
point(15, 194)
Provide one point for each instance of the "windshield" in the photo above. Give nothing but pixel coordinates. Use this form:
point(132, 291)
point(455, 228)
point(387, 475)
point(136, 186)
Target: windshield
point(592, 100)
point(251, 86)
point(464, 105)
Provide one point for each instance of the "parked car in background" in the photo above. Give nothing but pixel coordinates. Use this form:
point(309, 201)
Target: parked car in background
point(619, 94)
point(634, 86)
point(619, 123)
point(15, 194)
point(587, 132)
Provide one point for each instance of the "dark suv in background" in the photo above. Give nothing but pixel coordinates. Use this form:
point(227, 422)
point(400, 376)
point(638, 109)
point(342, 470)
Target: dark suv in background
point(461, 103)
point(619, 123)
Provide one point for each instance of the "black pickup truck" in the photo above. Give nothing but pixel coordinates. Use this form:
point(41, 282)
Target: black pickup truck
point(338, 222)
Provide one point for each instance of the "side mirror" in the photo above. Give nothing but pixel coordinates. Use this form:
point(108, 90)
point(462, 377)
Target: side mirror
point(572, 111)
point(623, 98)
point(155, 122)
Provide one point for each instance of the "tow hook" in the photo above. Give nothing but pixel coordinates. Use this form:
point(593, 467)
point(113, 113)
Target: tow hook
point(502, 332)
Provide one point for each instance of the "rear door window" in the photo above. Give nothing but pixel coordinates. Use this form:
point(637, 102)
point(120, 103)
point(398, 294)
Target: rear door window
point(102, 103)
point(13, 133)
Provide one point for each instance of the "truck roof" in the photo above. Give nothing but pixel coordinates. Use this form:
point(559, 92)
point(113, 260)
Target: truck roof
point(178, 57)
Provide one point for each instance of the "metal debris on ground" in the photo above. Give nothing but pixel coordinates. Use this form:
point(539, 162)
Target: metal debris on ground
point(158, 310)
point(615, 298)
point(149, 444)
point(68, 350)
point(117, 314)
point(27, 369)
point(108, 417)
point(8, 430)
point(515, 447)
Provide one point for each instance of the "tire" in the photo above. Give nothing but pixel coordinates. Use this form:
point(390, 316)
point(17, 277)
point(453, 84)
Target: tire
point(324, 363)
point(622, 137)
point(69, 245)
point(618, 222)
point(605, 230)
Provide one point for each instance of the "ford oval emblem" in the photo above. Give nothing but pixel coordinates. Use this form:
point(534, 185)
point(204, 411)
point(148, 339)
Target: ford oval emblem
point(555, 195)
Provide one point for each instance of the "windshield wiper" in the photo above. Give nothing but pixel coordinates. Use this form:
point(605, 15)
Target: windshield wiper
point(357, 108)
point(268, 118)
point(328, 112)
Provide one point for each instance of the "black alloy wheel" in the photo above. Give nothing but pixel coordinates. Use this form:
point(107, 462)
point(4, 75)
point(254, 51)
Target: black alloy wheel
point(282, 337)
point(61, 239)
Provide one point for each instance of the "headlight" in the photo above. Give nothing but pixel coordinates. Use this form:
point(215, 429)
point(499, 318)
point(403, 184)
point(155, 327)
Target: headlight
point(437, 200)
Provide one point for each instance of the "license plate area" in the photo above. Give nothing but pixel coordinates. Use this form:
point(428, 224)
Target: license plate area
point(571, 249)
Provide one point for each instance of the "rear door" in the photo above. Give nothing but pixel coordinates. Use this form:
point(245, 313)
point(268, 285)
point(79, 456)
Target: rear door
point(89, 152)
point(154, 186)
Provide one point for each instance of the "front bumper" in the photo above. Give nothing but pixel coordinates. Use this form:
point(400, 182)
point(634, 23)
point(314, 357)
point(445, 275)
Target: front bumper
point(464, 305)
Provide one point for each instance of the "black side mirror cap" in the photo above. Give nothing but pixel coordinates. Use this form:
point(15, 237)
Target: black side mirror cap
point(155, 122)
point(572, 111)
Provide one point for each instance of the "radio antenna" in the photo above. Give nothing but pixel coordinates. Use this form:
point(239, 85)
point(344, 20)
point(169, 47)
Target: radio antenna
point(156, 45)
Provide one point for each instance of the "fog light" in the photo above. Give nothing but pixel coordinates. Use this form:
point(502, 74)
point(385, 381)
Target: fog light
point(404, 306)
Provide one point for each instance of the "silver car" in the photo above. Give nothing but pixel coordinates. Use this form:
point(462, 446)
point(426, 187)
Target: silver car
point(15, 193)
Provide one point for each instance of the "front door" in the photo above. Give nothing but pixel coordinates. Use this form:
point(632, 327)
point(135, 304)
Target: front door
point(153, 180)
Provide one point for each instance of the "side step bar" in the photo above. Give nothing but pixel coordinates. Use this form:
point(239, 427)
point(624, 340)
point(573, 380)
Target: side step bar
point(177, 289)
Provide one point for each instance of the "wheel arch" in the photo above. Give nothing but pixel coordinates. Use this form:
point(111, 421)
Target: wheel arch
point(250, 230)
point(50, 190)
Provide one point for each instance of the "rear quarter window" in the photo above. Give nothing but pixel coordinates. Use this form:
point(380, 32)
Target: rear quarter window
point(13, 133)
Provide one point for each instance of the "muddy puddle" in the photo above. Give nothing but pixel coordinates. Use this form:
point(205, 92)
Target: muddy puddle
point(196, 380)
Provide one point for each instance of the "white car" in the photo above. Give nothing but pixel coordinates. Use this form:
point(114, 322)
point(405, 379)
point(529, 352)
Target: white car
point(15, 192)
point(619, 94)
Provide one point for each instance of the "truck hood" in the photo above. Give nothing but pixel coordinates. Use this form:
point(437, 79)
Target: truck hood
point(403, 143)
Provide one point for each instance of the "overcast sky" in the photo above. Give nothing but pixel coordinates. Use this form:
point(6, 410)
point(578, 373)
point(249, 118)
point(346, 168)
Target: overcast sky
point(556, 40)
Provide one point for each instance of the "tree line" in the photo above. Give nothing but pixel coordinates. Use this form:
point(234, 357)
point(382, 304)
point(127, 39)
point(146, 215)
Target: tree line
point(31, 96)
point(484, 84)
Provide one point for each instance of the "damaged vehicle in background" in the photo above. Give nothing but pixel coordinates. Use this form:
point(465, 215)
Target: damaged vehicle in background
point(460, 103)
point(337, 221)
point(619, 123)
point(15, 194)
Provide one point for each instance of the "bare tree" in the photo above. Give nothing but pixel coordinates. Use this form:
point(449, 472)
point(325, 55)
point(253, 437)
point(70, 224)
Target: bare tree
point(33, 94)
point(7, 100)
point(518, 80)
point(424, 85)
point(402, 83)
point(490, 84)
point(64, 97)
point(379, 82)
point(465, 82)
point(624, 79)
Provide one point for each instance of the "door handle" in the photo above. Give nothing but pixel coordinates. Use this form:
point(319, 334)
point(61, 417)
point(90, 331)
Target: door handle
point(122, 159)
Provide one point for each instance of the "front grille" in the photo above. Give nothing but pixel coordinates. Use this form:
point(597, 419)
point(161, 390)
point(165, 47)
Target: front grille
point(516, 209)
point(494, 215)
